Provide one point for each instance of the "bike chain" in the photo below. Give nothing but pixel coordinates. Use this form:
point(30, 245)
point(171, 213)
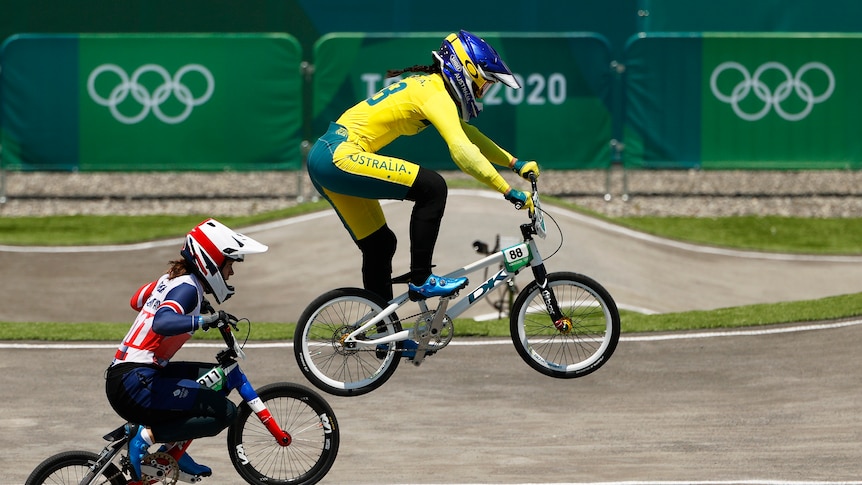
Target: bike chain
point(124, 465)
point(437, 342)
point(113, 478)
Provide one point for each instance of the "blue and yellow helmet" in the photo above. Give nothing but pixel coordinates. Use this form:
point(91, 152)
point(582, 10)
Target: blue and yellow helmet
point(470, 66)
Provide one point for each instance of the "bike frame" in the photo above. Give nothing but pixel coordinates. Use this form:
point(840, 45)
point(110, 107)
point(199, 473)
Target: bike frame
point(501, 277)
point(510, 260)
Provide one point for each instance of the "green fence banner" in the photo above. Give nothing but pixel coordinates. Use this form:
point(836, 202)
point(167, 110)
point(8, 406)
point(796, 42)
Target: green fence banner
point(561, 117)
point(743, 101)
point(142, 102)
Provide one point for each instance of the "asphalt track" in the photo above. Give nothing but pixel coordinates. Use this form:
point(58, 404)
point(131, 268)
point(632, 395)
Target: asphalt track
point(775, 405)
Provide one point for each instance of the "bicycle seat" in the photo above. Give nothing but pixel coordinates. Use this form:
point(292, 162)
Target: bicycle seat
point(116, 434)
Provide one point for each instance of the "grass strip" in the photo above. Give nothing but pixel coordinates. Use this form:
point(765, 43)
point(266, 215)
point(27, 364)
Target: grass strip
point(830, 308)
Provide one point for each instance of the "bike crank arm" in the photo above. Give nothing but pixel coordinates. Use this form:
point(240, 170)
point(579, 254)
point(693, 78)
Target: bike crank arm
point(433, 330)
point(163, 471)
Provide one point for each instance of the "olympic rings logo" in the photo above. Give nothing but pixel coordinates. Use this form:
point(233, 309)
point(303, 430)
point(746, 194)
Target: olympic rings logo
point(150, 101)
point(791, 84)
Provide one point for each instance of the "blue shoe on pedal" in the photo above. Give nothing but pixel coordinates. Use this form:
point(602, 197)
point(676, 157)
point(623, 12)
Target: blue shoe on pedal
point(137, 448)
point(409, 347)
point(192, 468)
point(187, 465)
point(438, 286)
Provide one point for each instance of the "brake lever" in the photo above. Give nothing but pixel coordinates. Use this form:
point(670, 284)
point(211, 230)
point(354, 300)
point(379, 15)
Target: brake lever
point(231, 341)
point(535, 195)
point(206, 307)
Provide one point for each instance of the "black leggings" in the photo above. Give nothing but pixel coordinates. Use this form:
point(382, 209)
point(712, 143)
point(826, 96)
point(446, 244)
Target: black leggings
point(429, 193)
point(169, 400)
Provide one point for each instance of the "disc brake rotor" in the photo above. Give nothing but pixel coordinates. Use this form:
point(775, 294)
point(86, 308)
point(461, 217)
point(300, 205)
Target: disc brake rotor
point(160, 468)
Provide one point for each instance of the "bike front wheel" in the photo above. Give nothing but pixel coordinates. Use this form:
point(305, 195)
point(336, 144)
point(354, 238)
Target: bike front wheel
point(330, 362)
point(70, 468)
point(313, 429)
point(579, 344)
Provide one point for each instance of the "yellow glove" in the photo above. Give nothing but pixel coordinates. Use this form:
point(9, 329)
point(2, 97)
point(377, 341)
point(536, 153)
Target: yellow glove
point(522, 200)
point(523, 168)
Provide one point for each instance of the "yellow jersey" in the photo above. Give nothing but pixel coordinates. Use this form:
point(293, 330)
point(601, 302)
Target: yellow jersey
point(408, 107)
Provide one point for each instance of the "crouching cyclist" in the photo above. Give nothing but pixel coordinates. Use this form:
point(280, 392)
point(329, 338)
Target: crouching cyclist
point(143, 385)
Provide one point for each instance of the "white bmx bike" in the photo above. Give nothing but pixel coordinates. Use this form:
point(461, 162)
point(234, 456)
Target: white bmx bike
point(349, 341)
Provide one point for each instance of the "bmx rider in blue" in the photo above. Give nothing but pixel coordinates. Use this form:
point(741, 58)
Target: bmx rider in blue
point(347, 170)
point(161, 397)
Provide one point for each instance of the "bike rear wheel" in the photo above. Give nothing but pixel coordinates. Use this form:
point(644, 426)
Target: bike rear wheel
point(588, 337)
point(331, 364)
point(70, 468)
point(313, 429)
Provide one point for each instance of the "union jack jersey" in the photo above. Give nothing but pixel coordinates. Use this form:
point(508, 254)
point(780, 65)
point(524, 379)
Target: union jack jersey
point(167, 313)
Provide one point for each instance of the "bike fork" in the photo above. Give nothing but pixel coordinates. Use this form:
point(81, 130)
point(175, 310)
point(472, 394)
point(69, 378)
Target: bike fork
point(250, 396)
point(560, 321)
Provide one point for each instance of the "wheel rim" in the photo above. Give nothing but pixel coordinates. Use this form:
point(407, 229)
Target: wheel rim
point(266, 458)
point(579, 346)
point(328, 358)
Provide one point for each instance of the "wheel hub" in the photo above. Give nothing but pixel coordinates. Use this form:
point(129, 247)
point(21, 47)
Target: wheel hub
point(339, 341)
point(564, 325)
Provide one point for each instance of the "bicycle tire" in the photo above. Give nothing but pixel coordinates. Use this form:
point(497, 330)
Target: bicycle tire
point(323, 358)
point(574, 352)
point(315, 435)
point(70, 467)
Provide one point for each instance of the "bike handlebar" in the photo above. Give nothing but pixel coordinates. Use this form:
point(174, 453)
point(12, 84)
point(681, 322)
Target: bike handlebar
point(230, 339)
point(536, 214)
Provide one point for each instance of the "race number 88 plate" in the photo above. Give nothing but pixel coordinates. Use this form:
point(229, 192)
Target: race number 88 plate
point(516, 257)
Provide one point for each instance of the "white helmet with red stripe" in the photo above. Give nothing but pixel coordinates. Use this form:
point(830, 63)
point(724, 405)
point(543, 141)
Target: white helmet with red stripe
point(209, 245)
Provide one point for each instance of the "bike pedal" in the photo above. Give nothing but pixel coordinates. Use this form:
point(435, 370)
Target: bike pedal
point(189, 478)
point(412, 358)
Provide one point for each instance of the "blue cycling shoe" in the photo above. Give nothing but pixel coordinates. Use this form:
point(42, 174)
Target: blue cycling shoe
point(137, 448)
point(187, 465)
point(437, 286)
point(409, 347)
point(192, 468)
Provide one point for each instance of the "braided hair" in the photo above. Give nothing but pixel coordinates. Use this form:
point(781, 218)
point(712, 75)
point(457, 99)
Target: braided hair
point(429, 69)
